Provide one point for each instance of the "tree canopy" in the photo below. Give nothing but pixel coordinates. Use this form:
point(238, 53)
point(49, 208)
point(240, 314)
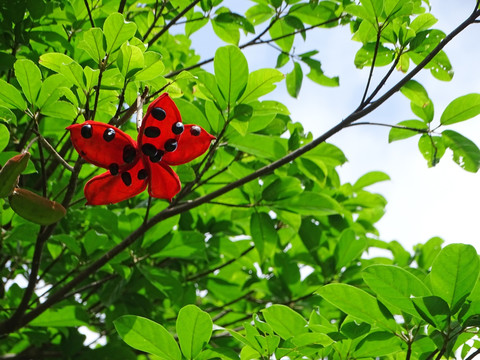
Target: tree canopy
point(264, 253)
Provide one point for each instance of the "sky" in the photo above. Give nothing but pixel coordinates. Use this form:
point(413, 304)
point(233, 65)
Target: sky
point(422, 202)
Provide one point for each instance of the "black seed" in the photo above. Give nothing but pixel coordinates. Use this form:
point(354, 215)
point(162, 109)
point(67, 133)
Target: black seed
point(157, 157)
point(152, 132)
point(149, 149)
point(86, 131)
point(113, 167)
point(127, 178)
point(142, 174)
point(129, 153)
point(109, 134)
point(195, 130)
point(171, 145)
point(159, 113)
point(177, 128)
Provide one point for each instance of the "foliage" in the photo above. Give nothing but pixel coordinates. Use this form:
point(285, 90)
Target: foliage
point(264, 253)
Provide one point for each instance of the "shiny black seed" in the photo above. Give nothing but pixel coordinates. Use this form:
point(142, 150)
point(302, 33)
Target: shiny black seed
point(142, 174)
point(157, 157)
point(152, 132)
point(177, 128)
point(129, 154)
point(149, 149)
point(171, 145)
point(86, 131)
point(195, 130)
point(109, 134)
point(113, 167)
point(159, 113)
point(127, 178)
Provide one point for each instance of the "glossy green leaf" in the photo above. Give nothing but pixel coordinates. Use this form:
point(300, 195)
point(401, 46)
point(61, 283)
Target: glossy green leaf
point(284, 321)
point(357, 303)
point(461, 109)
point(266, 147)
point(194, 329)
point(423, 22)
point(282, 188)
point(370, 178)
point(454, 273)
point(403, 130)
point(281, 32)
point(264, 235)
point(260, 82)
point(7, 116)
point(52, 89)
point(364, 56)
point(379, 343)
point(432, 148)
point(11, 96)
point(130, 60)
point(259, 13)
point(185, 244)
point(67, 316)
point(93, 44)
point(316, 74)
point(153, 68)
point(309, 203)
point(64, 65)
point(192, 114)
point(465, 152)
point(4, 137)
point(117, 31)
point(294, 80)
point(30, 79)
point(395, 286)
point(416, 93)
point(433, 309)
point(148, 336)
point(195, 22)
point(348, 249)
point(231, 72)
point(60, 109)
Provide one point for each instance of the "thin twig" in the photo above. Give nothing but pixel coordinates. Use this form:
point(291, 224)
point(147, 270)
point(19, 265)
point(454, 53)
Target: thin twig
point(89, 13)
point(172, 22)
point(370, 75)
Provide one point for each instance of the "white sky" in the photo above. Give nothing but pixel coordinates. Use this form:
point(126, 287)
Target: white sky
point(422, 202)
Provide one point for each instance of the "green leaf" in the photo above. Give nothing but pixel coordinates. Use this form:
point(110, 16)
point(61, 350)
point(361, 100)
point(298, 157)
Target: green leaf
point(454, 274)
point(294, 80)
point(416, 93)
point(52, 89)
point(461, 109)
point(370, 178)
point(357, 303)
point(284, 321)
point(364, 56)
point(348, 249)
point(433, 309)
point(7, 116)
point(65, 65)
point(378, 344)
point(67, 316)
point(11, 96)
point(397, 133)
point(423, 22)
point(316, 74)
point(4, 137)
point(280, 32)
point(117, 31)
point(60, 109)
point(309, 203)
point(29, 77)
point(395, 286)
point(425, 113)
point(195, 22)
point(266, 147)
point(432, 148)
point(282, 188)
point(259, 13)
point(192, 114)
point(154, 67)
point(260, 82)
point(231, 72)
point(264, 235)
point(146, 335)
point(194, 329)
point(185, 245)
point(92, 43)
point(465, 152)
point(130, 60)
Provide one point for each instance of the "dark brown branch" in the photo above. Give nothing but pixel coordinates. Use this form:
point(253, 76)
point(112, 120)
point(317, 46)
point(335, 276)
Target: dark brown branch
point(89, 13)
point(370, 75)
point(121, 7)
point(473, 355)
point(172, 22)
